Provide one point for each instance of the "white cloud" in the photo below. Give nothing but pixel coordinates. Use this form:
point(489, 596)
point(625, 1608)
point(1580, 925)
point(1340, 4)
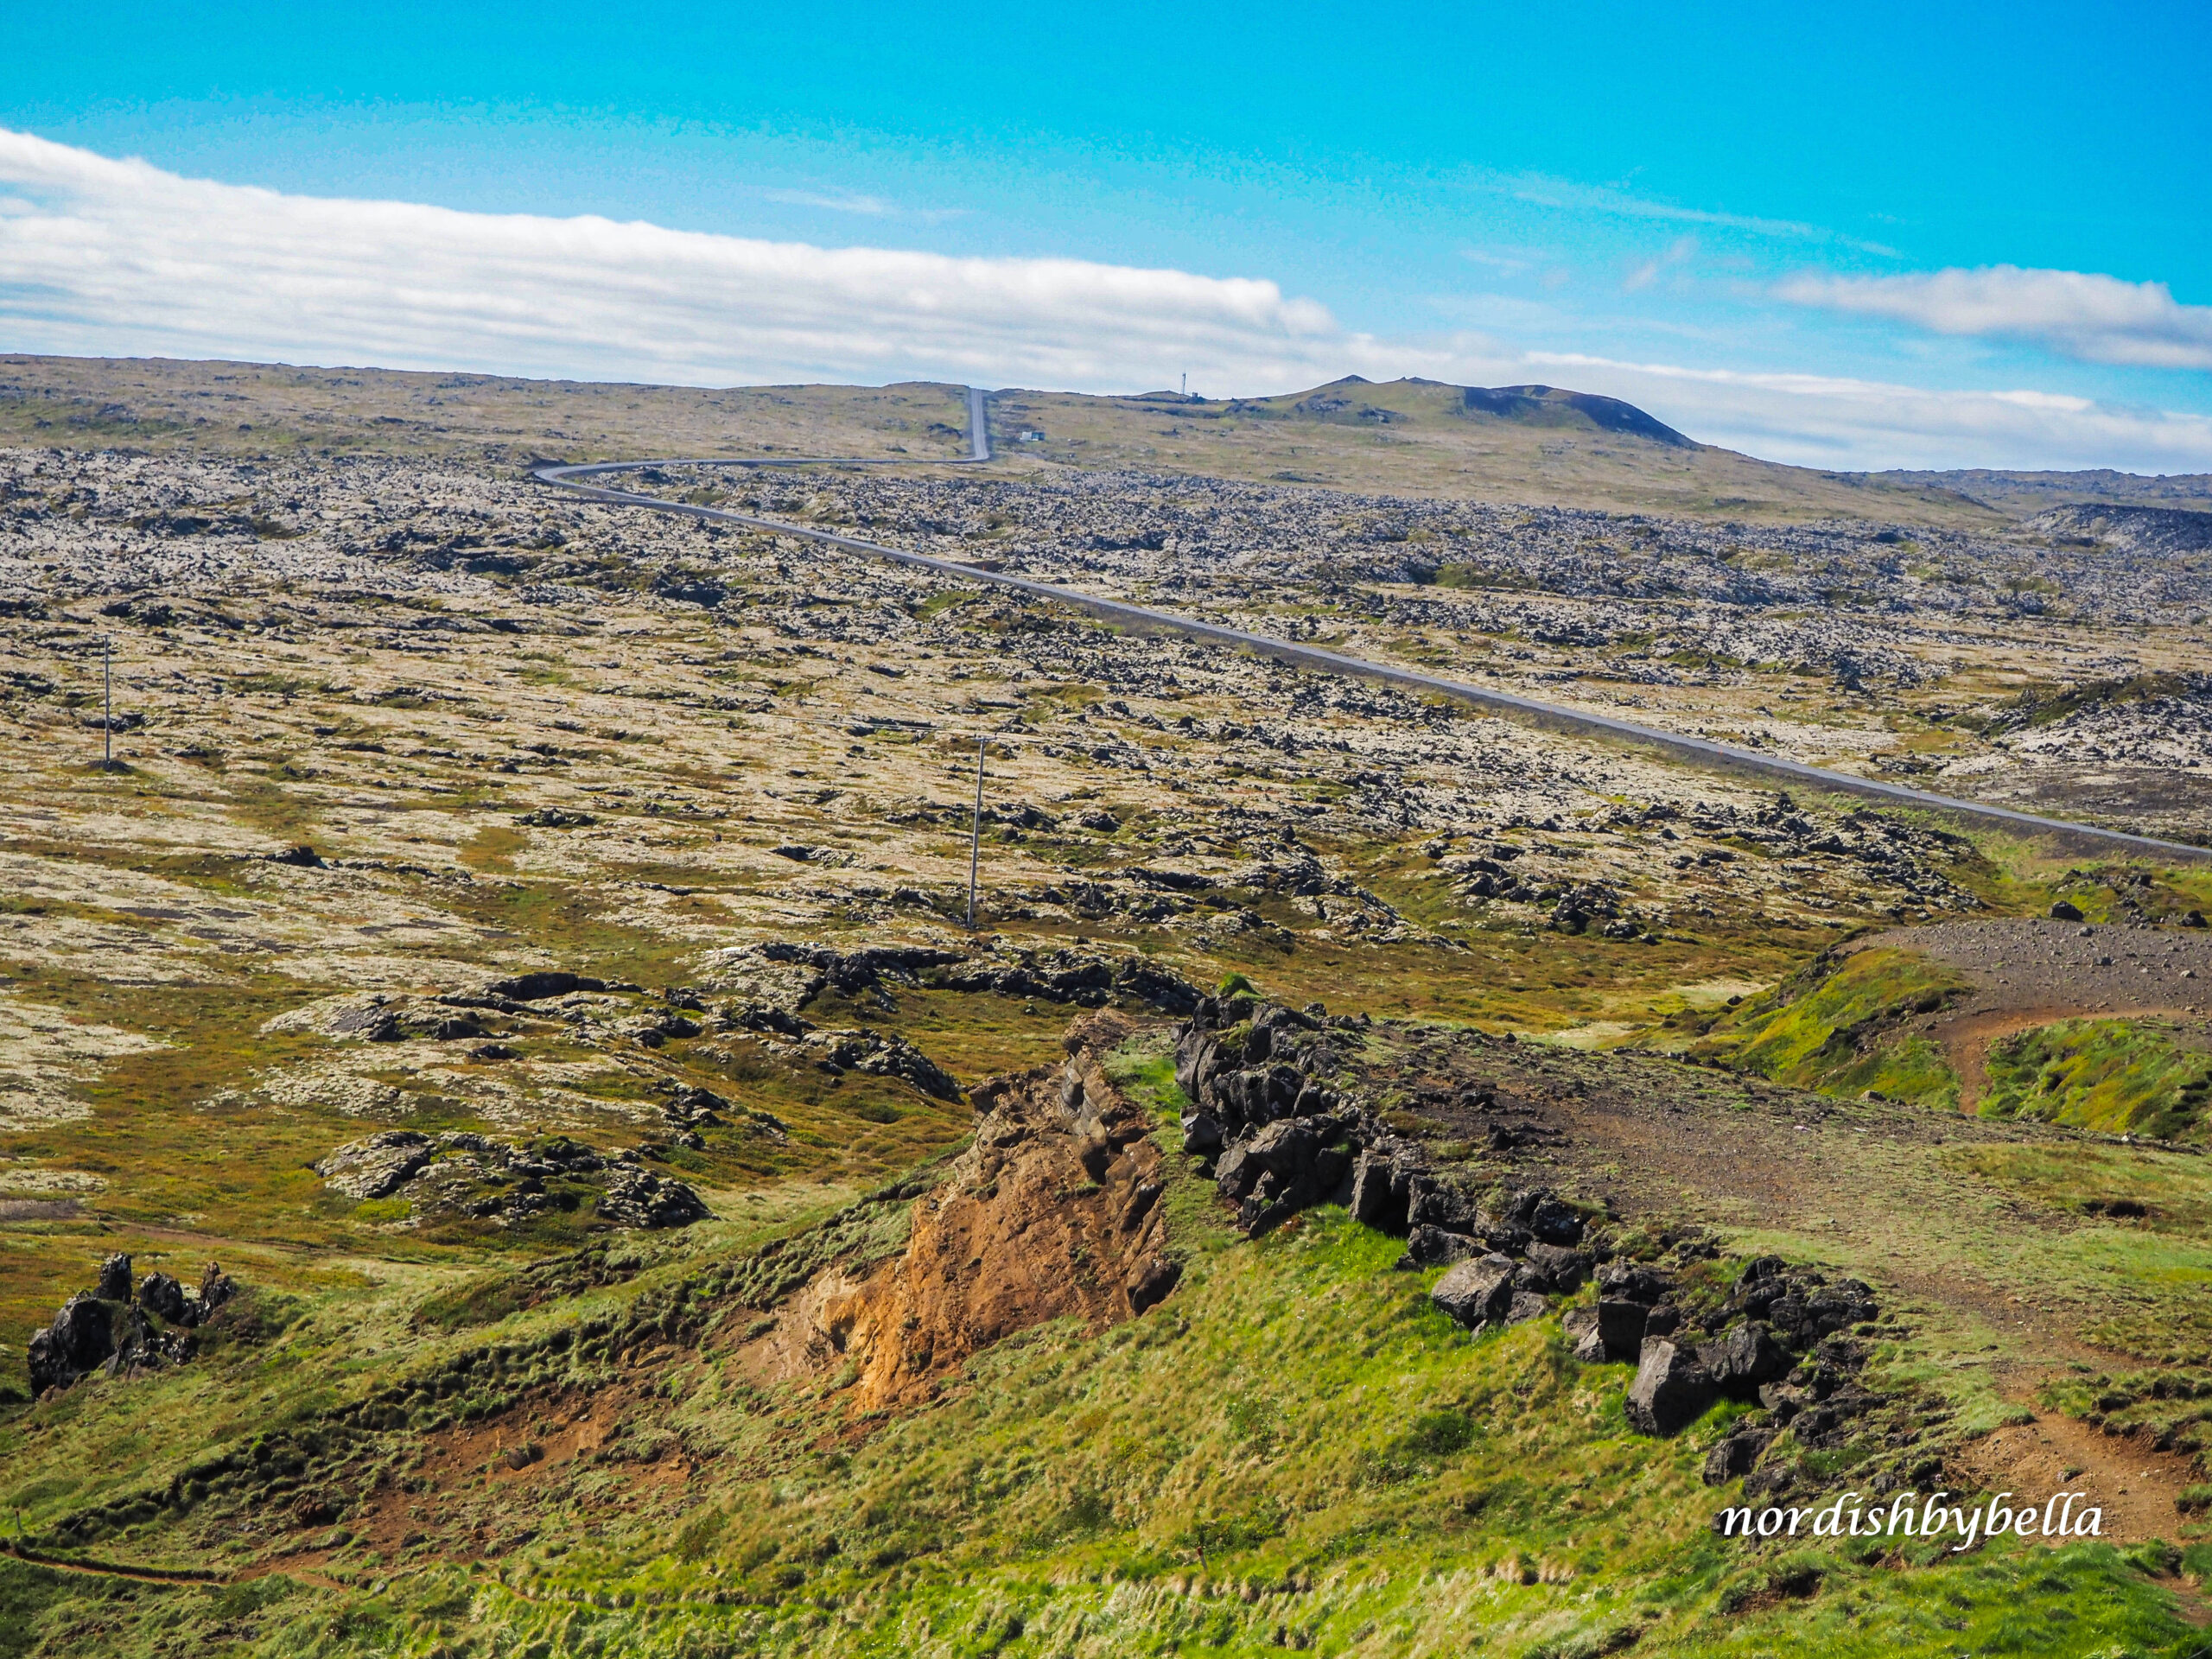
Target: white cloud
point(2100, 319)
point(104, 257)
point(1541, 191)
point(120, 255)
point(1679, 251)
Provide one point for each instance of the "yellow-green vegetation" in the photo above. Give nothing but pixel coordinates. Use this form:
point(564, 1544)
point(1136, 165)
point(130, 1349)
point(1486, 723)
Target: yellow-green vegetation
point(1836, 1028)
point(1297, 1452)
point(2144, 1077)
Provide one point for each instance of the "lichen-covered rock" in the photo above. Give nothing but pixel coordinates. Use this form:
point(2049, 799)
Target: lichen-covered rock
point(638, 1198)
point(376, 1167)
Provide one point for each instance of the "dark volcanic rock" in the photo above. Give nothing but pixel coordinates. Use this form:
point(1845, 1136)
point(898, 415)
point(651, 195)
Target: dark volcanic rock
point(1476, 1291)
point(1735, 1455)
point(534, 988)
point(1563, 1268)
point(115, 1279)
point(638, 1198)
point(1611, 1332)
point(162, 1297)
point(1427, 1246)
point(1671, 1389)
point(82, 1337)
point(1745, 1357)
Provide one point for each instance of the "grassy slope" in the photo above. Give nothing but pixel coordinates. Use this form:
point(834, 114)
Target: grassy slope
point(2117, 1076)
point(1295, 1450)
point(1830, 1031)
point(1431, 446)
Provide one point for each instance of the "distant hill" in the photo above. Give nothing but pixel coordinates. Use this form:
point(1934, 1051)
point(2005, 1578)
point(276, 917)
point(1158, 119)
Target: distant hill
point(2026, 492)
point(1537, 446)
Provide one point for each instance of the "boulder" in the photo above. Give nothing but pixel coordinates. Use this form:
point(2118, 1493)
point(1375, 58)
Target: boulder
point(1671, 1389)
point(1476, 1291)
point(1237, 1171)
point(80, 1338)
point(1563, 1269)
point(1527, 1305)
point(1377, 1201)
point(163, 1298)
point(1745, 1357)
point(2063, 912)
point(1426, 1246)
point(1611, 1332)
point(115, 1279)
point(1837, 1307)
point(1734, 1456)
point(1554, 1223)
point(1631, 1281)
point(1432, 1202)
point(1201, 1133)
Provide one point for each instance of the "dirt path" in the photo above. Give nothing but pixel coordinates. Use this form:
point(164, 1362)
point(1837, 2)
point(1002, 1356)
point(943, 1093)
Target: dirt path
point(2027, 972)
point(180, 1576)
point(1867, 1185)
point(1967, 1038)
point(2134, 1488)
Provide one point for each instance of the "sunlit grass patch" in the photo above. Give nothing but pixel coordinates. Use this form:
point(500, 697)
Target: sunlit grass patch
point(2112, 1075)
point(1840, 1034)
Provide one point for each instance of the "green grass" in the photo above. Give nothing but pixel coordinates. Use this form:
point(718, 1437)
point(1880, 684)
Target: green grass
point(1296, 1447)
point(1839, 1033)
point(2115, 1076)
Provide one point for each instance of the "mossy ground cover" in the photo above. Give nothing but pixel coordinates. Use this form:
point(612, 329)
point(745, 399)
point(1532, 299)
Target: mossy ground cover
point(1834, 1029)
point(2117, 1076)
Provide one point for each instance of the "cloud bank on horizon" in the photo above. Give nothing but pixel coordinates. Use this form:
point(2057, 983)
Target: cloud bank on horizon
point(101, 256)
point(2097, 318)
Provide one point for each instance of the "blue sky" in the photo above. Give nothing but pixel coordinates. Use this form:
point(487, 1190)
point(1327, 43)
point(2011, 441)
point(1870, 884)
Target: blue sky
point(1745, 217)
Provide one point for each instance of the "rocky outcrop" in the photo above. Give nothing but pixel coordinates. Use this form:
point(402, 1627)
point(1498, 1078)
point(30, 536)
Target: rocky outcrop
point(462, 1176)
point(80, 1339)
point(1064, 975)
point(376, 1167)
point(1053, 1213)
point(110, 1328)
point(638, 1198)
point(1268, 1119)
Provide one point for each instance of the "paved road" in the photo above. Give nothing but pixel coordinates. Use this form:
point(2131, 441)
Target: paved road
point(1699, 751)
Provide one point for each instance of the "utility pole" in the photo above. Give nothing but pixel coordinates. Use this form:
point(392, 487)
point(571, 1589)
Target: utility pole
point(976, 837)
point(107, 698)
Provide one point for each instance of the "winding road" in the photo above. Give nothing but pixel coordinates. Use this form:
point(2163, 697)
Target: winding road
point(1699, 751)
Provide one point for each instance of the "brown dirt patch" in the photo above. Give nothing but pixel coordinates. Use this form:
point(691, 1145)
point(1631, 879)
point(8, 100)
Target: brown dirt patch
point(2027, 972)
point(2133, 1485)
point(470, 1494)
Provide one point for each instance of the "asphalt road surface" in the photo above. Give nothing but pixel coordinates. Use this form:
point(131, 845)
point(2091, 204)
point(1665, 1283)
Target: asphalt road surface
point(1699, 751)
